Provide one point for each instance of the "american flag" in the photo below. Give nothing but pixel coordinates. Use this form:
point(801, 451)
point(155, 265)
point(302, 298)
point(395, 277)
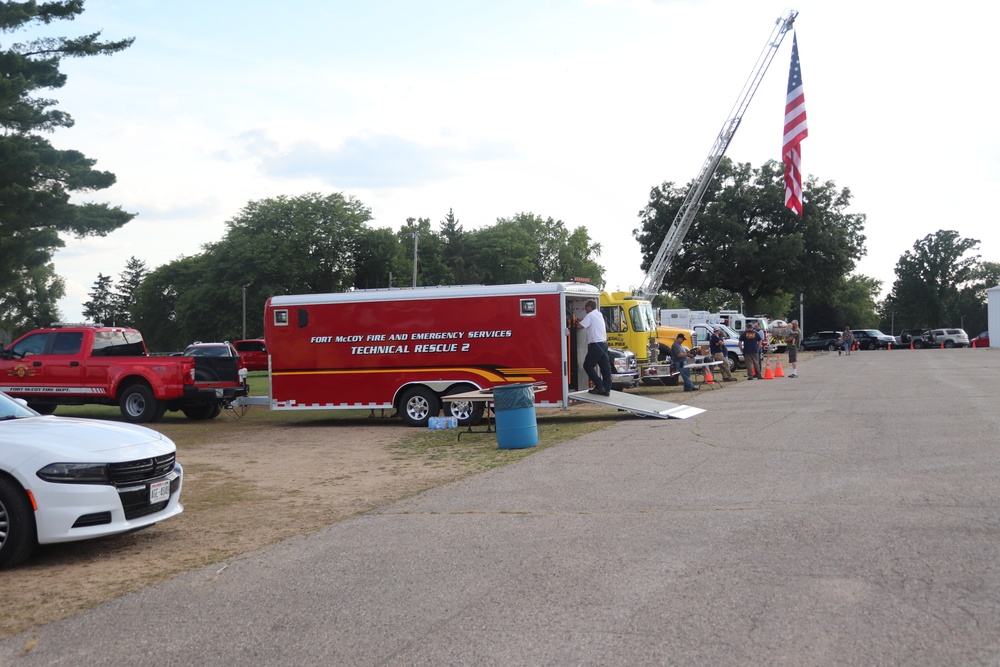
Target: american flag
point(795, 131)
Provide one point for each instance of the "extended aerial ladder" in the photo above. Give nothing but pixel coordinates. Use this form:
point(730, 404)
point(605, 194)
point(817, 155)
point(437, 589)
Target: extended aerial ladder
point(689, 207)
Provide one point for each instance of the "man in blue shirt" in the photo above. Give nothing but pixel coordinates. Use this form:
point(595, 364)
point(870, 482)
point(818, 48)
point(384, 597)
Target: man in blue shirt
point(750, 341)
point(679, 353)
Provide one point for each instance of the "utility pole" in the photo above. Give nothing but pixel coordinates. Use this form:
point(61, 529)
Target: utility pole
point(416, 236)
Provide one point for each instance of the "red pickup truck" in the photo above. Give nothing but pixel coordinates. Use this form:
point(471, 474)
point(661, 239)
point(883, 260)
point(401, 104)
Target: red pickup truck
point(77, 365)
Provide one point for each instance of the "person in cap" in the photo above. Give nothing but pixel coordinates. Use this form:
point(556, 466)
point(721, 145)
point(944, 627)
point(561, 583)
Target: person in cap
point(750, 345)
point(717, 348)
point(680, 355)
point(793, 340)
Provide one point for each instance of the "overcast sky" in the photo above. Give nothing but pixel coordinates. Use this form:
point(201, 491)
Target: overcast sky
point(570, 109)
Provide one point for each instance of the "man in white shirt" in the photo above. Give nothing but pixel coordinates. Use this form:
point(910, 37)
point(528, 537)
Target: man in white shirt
point(597, 349)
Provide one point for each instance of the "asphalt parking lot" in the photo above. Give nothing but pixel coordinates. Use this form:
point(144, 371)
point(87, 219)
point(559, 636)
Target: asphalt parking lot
point(849, 516)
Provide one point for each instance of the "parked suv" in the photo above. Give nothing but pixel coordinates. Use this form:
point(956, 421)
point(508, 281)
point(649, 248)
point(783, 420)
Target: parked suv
point(872, 339)
point(253, 352)
point(822, 340)
point(199, 349)
point(949, 337)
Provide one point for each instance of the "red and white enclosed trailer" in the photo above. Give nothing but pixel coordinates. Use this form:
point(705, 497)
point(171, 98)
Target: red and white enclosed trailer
point(405, 349)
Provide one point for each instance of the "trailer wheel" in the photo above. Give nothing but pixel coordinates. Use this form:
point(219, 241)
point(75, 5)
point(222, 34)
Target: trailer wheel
point(210, 411)
point(43, 408)
point(139, 405)
point(418, 405)
point(469, 413)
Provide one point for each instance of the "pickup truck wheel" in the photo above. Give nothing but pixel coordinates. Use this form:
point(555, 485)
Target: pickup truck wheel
point(210, 411)
point(733, 361)
point(418, 405)
point(469, 413)
point(139, 405)
point(17, 525)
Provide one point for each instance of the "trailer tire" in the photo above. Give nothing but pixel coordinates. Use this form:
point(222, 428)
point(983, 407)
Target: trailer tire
point(418, 405)
point(139, 405)
point(469, 413)
point(43, 408)
point(199, 412)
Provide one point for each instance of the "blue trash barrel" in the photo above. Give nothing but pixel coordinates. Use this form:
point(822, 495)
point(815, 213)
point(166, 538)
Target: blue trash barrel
point(515, 412)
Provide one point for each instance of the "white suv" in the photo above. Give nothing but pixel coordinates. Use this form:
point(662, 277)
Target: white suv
point(948, 337)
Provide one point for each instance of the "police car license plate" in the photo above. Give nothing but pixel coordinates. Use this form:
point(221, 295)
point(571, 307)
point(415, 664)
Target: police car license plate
point(159, 491)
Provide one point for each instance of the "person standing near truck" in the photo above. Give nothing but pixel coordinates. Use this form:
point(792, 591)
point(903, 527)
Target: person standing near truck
point(717, 347)
point(792, 340)
point(750, 346)
point(679, 354)
point(597, 349)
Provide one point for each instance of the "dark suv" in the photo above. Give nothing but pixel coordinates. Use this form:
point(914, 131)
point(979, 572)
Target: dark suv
point(872, 339)
point(822, 340)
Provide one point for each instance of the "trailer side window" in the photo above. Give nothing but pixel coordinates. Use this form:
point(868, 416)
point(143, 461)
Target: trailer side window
point(281, 318)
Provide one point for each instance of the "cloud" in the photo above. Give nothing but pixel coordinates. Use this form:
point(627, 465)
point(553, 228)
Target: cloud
point(371, 161)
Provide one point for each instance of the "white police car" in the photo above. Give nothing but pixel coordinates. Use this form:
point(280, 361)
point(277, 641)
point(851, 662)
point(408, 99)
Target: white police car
point(64, 479)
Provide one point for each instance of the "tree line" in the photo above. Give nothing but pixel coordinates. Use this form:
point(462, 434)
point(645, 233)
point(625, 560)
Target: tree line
point(323, 243)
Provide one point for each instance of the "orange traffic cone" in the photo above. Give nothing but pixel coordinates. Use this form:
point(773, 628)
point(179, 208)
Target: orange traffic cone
point(778, 373)
point(768, 373)
point(708, 376)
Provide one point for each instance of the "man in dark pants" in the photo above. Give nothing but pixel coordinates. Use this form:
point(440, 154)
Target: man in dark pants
point(680, 354)
point(750, 346)
point(597, 349)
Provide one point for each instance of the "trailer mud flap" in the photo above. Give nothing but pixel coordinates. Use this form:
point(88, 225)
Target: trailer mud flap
point(640, 405)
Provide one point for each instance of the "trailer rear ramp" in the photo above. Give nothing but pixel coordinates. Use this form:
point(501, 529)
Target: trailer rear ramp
point(640, 405)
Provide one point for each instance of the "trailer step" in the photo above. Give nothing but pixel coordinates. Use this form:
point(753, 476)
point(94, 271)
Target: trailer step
point(640, 405)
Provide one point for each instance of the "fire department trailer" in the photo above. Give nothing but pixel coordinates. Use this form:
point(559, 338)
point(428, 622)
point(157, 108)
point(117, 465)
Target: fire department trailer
point(405, 349)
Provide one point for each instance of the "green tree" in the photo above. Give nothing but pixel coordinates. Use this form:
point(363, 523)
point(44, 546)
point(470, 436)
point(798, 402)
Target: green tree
point(432, 268)
point(124, 295)
point(745, 241)
point(377, 260)
point(284, 245)
point(31, 302)
point(156, 305)
point(457, 251)
point(101, 307)
point(528, 247)
point(36, 179)
point(931, 280)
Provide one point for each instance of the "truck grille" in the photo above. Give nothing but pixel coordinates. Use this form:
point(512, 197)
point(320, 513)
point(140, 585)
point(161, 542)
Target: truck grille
point(141, 470)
